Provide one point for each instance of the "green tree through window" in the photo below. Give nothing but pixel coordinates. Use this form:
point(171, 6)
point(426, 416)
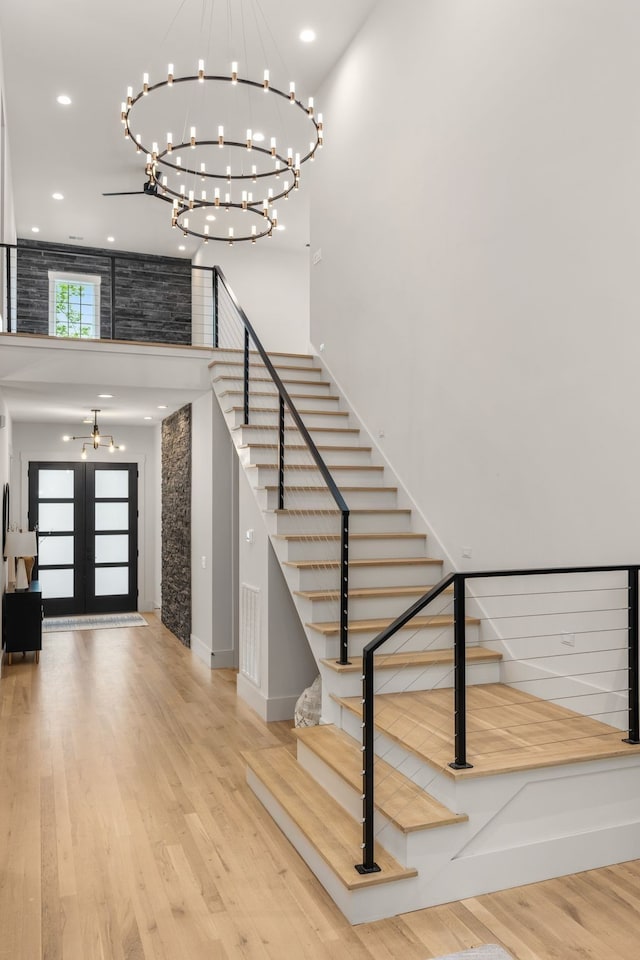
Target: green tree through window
point(74, 305)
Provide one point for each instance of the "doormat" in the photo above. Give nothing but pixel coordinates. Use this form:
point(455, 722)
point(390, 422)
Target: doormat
point(96, 621)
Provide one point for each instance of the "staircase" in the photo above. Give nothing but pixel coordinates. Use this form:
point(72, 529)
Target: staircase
point(442, 834)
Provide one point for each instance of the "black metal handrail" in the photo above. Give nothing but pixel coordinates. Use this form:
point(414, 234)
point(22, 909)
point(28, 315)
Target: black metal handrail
point(285, 400)
point(458, 580)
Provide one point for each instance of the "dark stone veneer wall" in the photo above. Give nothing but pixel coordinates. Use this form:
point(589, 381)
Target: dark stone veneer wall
point(152, 294)
point(176, 524)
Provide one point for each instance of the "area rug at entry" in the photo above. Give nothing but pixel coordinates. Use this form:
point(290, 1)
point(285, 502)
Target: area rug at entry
point(488, 951)
point(97, 621)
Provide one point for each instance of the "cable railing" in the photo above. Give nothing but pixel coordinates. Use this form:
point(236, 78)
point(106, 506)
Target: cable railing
point(565, 635)
point(8, 288)
point(292, 474)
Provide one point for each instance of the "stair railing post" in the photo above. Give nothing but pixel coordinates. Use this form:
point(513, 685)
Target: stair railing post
point(281, 436)
point(368, 864)
point(460, 680)
point(344, 587)
point(633, 657)
point(7, 251)
point(215, 308)
point(246, 376)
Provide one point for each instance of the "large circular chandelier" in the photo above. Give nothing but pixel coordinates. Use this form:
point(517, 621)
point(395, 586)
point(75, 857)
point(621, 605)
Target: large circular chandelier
point(223, 149)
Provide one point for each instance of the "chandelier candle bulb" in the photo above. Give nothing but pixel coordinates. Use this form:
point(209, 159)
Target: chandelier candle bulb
point(265, 208)
point(191, 196)
point(310, 107)
point(227, 200)
point(129, 96)
point(220, 136)
point(289, 157)
point(249, 139)
point(292, 92)
point(138, 143)
point(145, 83)
point(254, 173)
point(185, 226)
point(274, 217)
point(154, 152)
point(164, 183)
point(234, 72)
point(244, 199)
point(228, 174)
point(170, 75)
point(273, 146)
point(201, 71)
point(203, 196)
point(254, 231)
point(193, 137)
point(169, 142)
point(265, 82)
point(123, 112)
point(216, 197)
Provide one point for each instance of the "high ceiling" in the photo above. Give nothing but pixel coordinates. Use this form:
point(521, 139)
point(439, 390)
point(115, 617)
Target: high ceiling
point(92, 52)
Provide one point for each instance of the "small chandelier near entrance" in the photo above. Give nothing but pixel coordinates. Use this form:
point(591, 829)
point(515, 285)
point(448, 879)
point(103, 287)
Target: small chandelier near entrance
point(96, 439)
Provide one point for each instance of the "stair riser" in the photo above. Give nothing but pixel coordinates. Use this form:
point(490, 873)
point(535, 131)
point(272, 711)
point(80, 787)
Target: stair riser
point(426, 638)
point(232, 398)
point(360, 608)
point(317, 389)
point(379, 576)
point(408, 678)
point(259, 370)
point(267, 476)
point(322, 549)
point(321, 500)
point(245, 436)
point(283, 523)
point(279, 360)
point(235, 418)
point(255, 453)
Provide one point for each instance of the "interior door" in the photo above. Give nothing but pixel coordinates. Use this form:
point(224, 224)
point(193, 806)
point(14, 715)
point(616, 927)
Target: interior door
point(87, 518)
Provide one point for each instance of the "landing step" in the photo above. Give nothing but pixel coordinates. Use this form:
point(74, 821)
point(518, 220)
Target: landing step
point(381, 562)
point(323, 822)
point(362, 626)
point(362, 593)
point(507, 730)
point(414, 658)
point(396, 797)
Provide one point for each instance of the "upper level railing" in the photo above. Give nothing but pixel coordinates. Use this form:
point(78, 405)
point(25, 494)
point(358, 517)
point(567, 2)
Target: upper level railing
point(625, 605)
point(222, 294)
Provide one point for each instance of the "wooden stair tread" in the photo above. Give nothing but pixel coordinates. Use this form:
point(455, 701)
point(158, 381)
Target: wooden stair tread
point(270, 426)
point(317, 489)
point(318, 413)
point(256, 353)
point(361, 626)
point(363, 468)
point(397, 797)
point(271, 393)
point(379, 562)
point(359, 510)
point(314, 537)
point(224, 378)
point(302, 446)
point(415, 658)
point(326, 825)
point(507, 730)
point(259, 365)
point(367, 592)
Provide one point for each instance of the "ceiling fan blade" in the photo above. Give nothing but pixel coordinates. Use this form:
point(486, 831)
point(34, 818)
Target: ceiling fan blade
point(125, 193)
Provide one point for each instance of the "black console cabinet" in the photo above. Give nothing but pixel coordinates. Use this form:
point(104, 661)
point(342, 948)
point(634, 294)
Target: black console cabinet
point(22, 621)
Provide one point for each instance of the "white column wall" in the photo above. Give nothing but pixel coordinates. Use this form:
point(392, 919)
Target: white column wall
point(477, 206)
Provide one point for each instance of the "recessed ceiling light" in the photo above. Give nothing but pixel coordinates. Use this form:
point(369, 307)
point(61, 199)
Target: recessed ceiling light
point(35, 229)
point(148, 418)
point(87, 420)
point(162, 406)
point(258, 137)
point(182, 247)
point(64, 99)
point(281, 226)
point(110, 239)
point(211, 218)
point(308, 35)
point(58, 196)
point(105, 396)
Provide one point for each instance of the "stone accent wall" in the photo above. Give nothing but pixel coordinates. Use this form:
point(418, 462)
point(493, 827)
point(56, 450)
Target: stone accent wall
point(152, 294)
point(176, 524)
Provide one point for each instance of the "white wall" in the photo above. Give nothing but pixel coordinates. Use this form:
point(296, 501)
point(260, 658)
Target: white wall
point(272, 286)
point(477, 205)
point(213, 536)
point(32, 441)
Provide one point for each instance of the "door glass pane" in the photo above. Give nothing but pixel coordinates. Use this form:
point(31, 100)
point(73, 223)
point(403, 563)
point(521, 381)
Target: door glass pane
point(112, 580)
point(112, 549)
point(112, 483)
point(112, 516)
point(55, 483)
point(55, 550)
point(55, 516)
point(56, 583)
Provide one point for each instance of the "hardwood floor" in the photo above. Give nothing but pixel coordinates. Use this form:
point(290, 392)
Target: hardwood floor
point(128, 831)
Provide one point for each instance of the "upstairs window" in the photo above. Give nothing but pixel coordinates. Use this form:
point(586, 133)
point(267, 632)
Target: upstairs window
point(74, 305)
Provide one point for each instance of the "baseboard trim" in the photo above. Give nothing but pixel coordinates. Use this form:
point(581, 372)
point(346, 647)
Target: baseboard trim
point(214, 659)
point(267, 708)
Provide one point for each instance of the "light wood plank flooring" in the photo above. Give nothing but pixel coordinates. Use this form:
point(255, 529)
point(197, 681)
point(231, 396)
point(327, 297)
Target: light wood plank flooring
point(128, 832)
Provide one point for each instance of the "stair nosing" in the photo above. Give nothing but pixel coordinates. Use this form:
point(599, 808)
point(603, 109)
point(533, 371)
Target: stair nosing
point(332, 627)
point(418, 658)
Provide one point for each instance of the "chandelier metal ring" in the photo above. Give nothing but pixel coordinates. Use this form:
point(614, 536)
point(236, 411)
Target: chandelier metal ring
point(232, 237)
